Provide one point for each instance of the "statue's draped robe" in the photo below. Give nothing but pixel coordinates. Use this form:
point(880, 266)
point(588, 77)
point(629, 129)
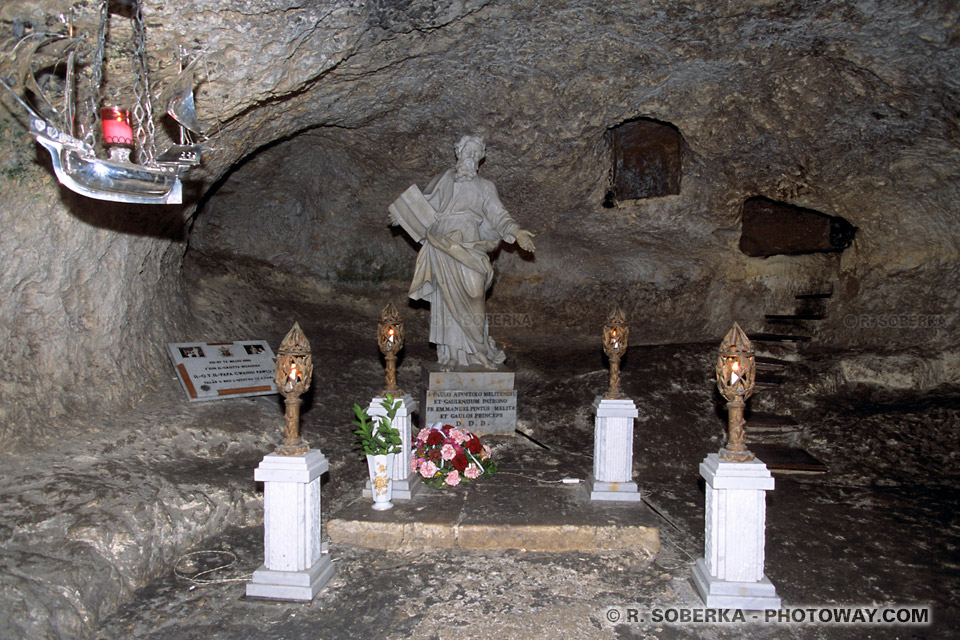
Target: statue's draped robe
point(453, 270)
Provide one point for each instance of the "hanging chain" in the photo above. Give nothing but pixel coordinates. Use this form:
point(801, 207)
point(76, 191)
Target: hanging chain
point(69, 115)
point(96, 77)
point(143, 111)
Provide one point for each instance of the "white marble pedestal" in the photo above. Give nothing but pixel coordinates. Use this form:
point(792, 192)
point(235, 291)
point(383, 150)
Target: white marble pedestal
point(730, 576)
point(612, 477)
point(294, 566)
point(405, 482)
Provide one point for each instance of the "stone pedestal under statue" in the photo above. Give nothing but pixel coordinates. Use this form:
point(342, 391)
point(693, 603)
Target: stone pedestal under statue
point(294, 568)
point(474, 398)
point(612, 477)
point(730, 576)
point(406, 483)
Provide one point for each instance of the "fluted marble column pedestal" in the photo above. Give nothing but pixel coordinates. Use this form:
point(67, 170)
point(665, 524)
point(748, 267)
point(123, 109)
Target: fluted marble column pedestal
point(294, 567)
point(730, 576)
point(406, 483)
point(612, 477)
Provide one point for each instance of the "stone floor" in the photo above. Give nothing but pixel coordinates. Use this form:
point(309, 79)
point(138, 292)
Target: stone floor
point(96, 534)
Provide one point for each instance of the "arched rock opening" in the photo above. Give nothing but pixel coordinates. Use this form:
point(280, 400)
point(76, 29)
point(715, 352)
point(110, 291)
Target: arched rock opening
point(647, 160)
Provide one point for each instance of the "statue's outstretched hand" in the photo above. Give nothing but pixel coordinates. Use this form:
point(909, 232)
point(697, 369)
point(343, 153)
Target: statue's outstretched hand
point(525, 240)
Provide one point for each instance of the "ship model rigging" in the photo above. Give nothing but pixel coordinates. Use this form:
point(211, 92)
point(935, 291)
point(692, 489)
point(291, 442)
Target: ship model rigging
point(129, 168)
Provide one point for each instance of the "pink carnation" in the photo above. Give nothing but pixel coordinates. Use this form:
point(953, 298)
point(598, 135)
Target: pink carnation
point(422, 436)
point(448, 452)
point(473, 472)
point(428, 469)
point(456, 435)
point(414, 463)
point(453, 478)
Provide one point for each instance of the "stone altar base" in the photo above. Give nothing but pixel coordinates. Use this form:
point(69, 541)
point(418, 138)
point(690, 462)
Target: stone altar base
point(480, 400)
point(612, 477)
point(503, 515)
point(405, 482)
point(295, 567)
point(509, 510)
point(730, 576)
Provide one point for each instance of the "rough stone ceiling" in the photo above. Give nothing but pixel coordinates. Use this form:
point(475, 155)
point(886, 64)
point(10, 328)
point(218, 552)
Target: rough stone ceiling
point(802, 101)
point(847, 108)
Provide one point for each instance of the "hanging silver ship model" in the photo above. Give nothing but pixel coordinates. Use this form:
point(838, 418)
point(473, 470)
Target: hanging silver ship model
point(153, 179)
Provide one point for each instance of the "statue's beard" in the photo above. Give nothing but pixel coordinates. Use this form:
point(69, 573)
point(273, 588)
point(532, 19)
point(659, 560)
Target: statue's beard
point(465, 171)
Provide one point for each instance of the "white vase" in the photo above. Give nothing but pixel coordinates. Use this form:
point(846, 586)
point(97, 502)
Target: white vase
point(381, 480)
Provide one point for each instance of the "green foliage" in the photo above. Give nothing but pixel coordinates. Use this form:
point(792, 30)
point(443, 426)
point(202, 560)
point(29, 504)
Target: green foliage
point(382, 437)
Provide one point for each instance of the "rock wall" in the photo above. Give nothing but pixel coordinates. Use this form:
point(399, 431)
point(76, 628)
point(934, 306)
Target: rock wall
point(839, 107)
point(91, 295)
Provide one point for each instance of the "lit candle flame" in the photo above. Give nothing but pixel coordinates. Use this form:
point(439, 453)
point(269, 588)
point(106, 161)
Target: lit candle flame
point(293, 373)
point(733, 375)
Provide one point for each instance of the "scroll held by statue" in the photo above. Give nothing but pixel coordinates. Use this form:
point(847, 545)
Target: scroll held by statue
point(412, 212)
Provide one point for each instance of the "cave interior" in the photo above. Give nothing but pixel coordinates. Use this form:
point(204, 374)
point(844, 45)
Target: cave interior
point(793, 167)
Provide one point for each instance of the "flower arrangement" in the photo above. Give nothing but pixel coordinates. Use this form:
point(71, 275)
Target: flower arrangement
point(445, 456)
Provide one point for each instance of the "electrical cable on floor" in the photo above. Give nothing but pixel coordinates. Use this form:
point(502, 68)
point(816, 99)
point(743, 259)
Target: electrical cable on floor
point(664, 535)
point(196, 579)
point(657, 511)
point(558, 448)
point(539, 480)
point(668, 538)
point(532, 439)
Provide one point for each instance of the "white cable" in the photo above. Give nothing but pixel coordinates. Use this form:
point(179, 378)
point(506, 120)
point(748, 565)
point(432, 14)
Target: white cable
point(539, 480)
point(196, 578)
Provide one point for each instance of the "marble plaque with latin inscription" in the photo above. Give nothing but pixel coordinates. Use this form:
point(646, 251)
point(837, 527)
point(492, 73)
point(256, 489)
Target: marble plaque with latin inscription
point(216, 370)
point(480, 400)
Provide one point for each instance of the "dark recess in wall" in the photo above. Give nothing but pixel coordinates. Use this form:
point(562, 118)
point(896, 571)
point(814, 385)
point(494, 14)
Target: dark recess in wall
point(646, 160)
point(776, 228)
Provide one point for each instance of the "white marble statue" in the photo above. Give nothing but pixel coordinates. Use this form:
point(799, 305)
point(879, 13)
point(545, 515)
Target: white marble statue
point(458, 219)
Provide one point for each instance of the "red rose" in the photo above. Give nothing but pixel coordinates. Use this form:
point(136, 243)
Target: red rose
point(434, 438)
point(473, 445)
point(460, 462)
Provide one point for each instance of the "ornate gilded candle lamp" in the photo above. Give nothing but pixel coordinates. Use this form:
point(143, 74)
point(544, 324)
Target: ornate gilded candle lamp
point(736, 375)
point(390, 341)
point(293, 372)
point(615, 335)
